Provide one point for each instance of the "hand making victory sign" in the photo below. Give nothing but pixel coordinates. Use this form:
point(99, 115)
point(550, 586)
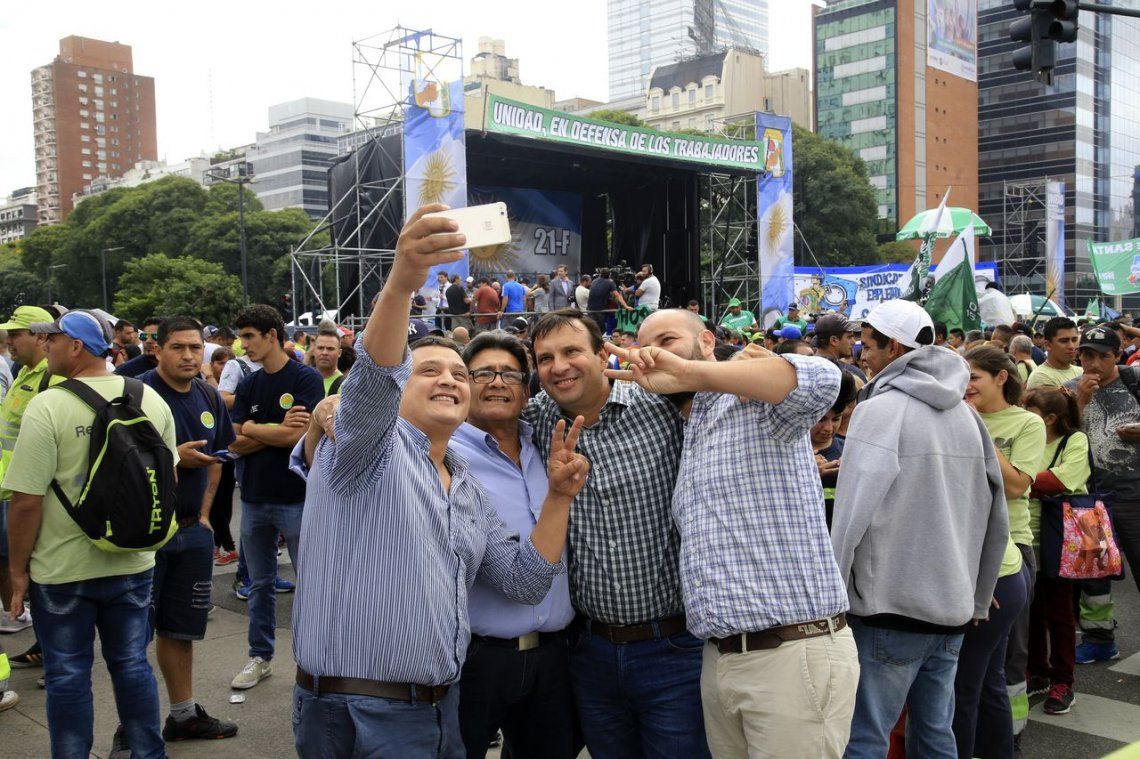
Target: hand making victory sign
point(567, 469)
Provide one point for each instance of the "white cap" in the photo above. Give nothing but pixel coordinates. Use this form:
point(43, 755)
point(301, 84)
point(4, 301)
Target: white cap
point(470, 280)
point(901, 320)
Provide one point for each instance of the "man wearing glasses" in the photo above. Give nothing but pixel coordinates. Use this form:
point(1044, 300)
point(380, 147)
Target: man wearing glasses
point(517, 674)
point(147, 360)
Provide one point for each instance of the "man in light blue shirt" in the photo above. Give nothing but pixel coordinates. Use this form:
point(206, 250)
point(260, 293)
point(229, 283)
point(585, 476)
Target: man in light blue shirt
point(514, 295)
point(517, 673)
point(391, 508)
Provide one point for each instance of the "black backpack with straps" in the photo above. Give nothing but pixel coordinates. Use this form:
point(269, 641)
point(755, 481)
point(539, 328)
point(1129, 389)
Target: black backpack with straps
point(128, 498)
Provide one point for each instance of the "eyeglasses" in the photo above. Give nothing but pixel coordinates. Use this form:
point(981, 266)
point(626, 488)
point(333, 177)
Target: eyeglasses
point(144, 336)
point(487, 376)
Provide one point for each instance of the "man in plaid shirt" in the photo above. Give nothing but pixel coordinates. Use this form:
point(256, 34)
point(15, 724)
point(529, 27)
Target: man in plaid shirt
point(634, 666)
point(758, 572)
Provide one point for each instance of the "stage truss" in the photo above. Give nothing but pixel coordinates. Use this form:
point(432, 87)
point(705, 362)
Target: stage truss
point(330, 276)
point(1021, 256)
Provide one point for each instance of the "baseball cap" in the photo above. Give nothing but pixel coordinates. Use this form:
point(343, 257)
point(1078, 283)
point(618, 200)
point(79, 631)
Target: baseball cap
point(345, 332)
point(734, 303)
point(93, 332)
point(470, 280)
point(417, 328)
point(210, 331)
point(904, 321)
point(790, 332)
point(834, 324)
point(1101, 340)
point(793, 307)
point(25, 316)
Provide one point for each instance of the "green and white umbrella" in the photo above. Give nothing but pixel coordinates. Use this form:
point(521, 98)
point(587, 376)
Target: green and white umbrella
point(952, 221)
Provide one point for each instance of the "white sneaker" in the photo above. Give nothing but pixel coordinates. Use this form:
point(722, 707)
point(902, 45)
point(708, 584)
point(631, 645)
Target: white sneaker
point(8, 699)
point(9, 625)
point(257, 670)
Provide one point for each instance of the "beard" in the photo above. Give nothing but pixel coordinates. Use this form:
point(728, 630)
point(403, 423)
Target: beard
point(694, 354)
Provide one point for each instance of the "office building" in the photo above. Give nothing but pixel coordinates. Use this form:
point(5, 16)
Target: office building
point(1083, 129)
point(899, 88)
point(18, 215)
point(493, 73)
point(702, 92)
point(144, 172)
point(290, 162)
point(92, 117)
point(647, 33)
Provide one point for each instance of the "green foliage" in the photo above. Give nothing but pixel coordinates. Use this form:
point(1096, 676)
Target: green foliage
point(834, 202)
point(898, 252)
point(173, 215)
point(160, 284)
point(617, 117)
point(17, 285)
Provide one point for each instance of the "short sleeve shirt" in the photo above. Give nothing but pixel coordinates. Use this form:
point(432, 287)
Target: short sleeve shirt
point(1116, 463)
point(650, 293)
point(53, 444)
point(264, 397)
point(515, 296)
point(601, 292)
point(198, 415)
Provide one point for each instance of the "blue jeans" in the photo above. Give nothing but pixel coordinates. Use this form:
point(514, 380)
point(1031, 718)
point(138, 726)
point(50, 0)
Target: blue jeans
point(639, 699)
point(334, 725)
point(260, 524)
point(983, 722)
point(898, 669)
point(66, 618)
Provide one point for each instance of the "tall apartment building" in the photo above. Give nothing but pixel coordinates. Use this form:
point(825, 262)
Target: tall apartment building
point(290, 162)
point(18, 215)
point(648, 33)
point(93, 117)
point(900, 89)
point(1083, 129)
point(493, 73)
point(700, 92)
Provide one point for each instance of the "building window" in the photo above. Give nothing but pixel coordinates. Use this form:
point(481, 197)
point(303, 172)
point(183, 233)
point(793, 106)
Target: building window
point(84, 125)
point(676, 125)
point(709, 90)
point(83, 113)
point(85, 151)
point(676, 100)
point(83, 101)
point(98, 92)
point(87, 177)
point(83, 87)
point(87, 164)
point(692, 123)
point(81, 74)
point(85, 138)
point(98, 78)
point(692, 96)
point(656, 101)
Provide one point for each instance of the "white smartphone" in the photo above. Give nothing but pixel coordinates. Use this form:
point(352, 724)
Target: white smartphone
point(483, 225)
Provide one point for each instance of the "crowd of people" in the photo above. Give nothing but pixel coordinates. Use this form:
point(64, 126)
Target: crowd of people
point(700, 539)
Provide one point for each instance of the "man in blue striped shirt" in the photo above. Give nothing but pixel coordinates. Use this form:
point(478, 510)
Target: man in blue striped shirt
point(758, 574)
point(517, 673)
point(395, 531)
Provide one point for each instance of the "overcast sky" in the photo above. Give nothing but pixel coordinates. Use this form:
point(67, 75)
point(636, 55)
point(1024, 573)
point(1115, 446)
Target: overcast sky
point(219, 65)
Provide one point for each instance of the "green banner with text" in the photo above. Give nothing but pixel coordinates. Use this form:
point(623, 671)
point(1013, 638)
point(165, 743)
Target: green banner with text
point(512, 117)
point(1117, 266)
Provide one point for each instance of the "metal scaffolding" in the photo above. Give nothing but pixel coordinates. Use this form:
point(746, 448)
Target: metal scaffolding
point(1020, 256)
point(331, 270)
point(730, 262)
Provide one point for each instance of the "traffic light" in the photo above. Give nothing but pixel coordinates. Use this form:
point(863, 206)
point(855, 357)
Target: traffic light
point(1049, 22)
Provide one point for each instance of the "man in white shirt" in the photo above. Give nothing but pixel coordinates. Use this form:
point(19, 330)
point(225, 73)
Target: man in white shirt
point(649, 293)
point(582, 293)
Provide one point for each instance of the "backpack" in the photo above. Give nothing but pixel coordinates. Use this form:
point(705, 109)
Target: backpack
point(128, 500)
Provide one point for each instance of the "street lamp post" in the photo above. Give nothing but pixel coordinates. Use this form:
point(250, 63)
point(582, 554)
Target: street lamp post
point(241, 181)
point(51, 276)
point(103, 265)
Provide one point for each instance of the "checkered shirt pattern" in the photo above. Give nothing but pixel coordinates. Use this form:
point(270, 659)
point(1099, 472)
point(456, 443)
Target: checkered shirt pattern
point(623, 542)
point(755, 551)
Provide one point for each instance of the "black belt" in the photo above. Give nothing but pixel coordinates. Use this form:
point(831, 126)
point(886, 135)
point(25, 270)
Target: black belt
point(523, 642)
point(354, 686)
point(661, 628)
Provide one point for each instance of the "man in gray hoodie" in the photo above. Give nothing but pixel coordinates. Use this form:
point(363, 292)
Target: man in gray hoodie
point(919, 531)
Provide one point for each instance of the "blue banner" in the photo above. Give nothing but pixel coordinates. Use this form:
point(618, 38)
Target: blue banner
point(774, 212)
point(855, 290)
point(546, 232)
point(435, 160)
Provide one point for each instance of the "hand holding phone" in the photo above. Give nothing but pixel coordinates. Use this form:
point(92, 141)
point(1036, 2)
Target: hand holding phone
point(482, 225)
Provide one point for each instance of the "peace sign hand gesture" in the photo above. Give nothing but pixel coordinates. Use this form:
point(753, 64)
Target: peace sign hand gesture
point(566, 470)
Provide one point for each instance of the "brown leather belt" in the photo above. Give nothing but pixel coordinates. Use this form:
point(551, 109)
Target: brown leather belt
point(774, 636)
point(661, 628)
point(523, 642)
point(353, 686)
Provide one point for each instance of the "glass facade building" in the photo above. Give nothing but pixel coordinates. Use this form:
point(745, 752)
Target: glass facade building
point(290, 161)
point(857, 91)
point(1083, 129)
point(647, 33)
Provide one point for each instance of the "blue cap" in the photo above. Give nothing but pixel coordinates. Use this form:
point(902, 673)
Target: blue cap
point(417, 328)
point(93, 332)
point(790, 332)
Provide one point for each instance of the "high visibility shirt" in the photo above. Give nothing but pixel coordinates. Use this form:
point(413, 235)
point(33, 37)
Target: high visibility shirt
point(25, 387)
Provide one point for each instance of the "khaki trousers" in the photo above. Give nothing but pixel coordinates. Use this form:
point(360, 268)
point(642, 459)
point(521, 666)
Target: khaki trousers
point(792, 701)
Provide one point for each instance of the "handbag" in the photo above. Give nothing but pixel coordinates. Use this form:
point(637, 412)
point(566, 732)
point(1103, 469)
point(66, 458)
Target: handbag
point(1078, 541)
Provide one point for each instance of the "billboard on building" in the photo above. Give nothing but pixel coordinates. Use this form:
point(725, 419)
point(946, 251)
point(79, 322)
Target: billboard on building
point(952, 37)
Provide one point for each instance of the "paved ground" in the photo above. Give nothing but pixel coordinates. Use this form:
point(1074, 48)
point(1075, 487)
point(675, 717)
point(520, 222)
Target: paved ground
point(1106, 715)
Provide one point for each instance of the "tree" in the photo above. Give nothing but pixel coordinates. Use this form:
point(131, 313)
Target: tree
point(834, 203)
point(163, 285)
point(897, 252)
point(618, 117)
point(18, 286)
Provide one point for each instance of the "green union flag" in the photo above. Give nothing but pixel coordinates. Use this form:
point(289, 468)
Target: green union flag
point(954, 299)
